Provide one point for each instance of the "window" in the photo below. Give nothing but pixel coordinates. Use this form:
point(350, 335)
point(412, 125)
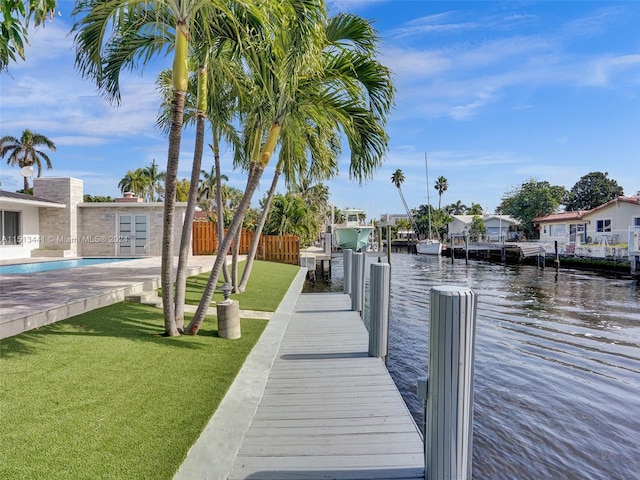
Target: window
point(10, 227)
point(603, 226)
point(636, 223)
point(557, 230)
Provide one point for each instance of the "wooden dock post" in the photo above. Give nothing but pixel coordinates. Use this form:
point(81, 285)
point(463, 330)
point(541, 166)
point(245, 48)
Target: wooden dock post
point(347, 258)
point(379, 284)
point(449, 414)
point(357, 281)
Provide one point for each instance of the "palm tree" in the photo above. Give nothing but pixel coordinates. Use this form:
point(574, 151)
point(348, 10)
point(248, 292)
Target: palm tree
point(136, 181)
point(309, 133)
point(278, 59)
point(23, 152)
point(441, 186)
point(119, 34)
point(207, 190)
point(14, 24)
point(457, 208)
point(398, 179)
point(155, 177)
point(475, 209)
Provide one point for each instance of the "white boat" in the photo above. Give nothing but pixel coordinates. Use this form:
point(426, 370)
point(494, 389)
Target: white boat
point(431, 245)
point(352, 233)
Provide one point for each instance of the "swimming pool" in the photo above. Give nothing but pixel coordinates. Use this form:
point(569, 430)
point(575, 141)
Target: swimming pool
point(56, 265)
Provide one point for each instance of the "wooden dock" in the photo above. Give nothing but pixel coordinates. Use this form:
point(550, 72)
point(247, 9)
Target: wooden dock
point(328, 409)
point(310, 403)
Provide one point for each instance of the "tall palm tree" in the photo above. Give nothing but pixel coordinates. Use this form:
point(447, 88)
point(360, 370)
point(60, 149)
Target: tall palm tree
point(441, 186)
point(24, 152)
point(114, 35)
point(398, 179)
point(277, 59)
point(155, 177)
point(347, 65)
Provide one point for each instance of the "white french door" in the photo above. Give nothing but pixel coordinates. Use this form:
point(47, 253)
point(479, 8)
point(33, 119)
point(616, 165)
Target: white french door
point(133, 234)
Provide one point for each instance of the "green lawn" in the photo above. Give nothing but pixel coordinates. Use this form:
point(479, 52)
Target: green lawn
point(102, 395)
point(264, 289)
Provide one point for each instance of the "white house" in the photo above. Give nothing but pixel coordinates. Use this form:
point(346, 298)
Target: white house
point(20, 223)
point(498, 227)
point(55, 222)
point(609, 223)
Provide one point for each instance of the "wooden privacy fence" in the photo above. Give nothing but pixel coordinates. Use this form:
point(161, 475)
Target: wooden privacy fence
point(273, 248)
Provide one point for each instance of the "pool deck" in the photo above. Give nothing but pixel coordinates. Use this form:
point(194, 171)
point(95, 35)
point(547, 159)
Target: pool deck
point(29, 301)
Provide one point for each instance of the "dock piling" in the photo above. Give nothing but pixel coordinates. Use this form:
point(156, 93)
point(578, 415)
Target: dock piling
point(347, 257)
point(357, 281)
point(380, 281)
point(449, 413)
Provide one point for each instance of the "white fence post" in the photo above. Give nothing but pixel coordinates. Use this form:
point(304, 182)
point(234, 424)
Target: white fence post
point(379, 283)
point(449, 414)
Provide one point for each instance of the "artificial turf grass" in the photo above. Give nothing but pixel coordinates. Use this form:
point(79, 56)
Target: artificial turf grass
point(267, 285)
point(102, 395)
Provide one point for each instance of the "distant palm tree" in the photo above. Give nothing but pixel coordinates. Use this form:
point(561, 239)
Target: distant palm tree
point(475, 209)
point(155, 178)
point(441, 186)
point(23, 152)
point(457, 208)
point(398, 179)
point(135, 181)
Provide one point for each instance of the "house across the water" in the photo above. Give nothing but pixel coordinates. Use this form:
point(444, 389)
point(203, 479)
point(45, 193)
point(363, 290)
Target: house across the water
point(610, 229)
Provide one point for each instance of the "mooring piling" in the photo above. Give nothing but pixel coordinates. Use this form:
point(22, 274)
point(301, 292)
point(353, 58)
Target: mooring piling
point(380, 281)
point(448, 430)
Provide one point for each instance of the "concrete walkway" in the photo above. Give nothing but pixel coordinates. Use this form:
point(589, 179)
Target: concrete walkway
point(32, 300)
point(309, 403)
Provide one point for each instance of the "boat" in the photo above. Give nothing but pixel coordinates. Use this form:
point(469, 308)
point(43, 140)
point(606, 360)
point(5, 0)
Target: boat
point(353, 233)
point(431, 245)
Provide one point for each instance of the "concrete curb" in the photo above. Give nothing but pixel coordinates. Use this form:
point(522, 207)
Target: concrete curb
point(214, 453)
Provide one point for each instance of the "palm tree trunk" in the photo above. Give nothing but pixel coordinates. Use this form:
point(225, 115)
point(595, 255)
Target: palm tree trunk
point(255, 243)
point(234, 261)
point(185, 239)
point(219, 206)
point(169, 211)
point(252, 184)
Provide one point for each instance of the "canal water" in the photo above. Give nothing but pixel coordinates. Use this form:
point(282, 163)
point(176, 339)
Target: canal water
point(557, 367)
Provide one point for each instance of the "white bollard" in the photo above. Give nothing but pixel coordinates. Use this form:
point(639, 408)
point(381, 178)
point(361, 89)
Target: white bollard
point(347, 258)
point(448, 432)
point(379, 283)
point(357, 281)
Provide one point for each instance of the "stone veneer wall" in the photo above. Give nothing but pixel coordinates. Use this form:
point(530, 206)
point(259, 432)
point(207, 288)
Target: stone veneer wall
point(98, 227)
point(58, 226)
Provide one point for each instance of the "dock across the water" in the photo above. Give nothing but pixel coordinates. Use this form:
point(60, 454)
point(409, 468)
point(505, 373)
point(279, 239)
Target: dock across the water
point(310, 403)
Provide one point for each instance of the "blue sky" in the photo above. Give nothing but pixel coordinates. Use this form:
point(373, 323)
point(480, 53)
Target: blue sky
point(495, 93)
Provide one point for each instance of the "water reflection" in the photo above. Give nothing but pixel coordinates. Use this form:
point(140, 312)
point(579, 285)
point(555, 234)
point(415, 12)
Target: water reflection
point(557, 390)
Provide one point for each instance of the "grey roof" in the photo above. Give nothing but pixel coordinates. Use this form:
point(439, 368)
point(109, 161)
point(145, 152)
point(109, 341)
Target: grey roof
point(24, 197)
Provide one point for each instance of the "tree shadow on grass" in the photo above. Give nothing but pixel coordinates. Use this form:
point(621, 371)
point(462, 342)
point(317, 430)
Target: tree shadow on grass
point(131, 321)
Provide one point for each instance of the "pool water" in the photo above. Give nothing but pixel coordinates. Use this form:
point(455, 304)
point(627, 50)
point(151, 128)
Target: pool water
point(37, 267)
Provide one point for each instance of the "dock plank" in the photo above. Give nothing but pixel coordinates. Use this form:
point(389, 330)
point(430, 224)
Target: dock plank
point(328, 409)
